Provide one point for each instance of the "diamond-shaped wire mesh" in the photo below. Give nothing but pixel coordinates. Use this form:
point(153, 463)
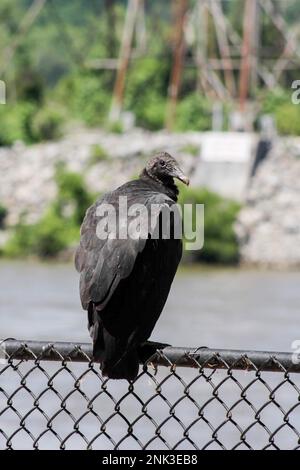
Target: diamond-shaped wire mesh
point(52, 396)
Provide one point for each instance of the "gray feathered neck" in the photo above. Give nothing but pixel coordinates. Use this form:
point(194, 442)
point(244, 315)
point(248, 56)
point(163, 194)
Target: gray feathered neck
point(164, 184)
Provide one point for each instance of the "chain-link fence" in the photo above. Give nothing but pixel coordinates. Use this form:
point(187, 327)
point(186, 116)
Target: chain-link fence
point(52, 396)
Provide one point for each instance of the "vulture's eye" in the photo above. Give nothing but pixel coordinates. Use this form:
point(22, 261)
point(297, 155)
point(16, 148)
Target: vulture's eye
point(162, 163)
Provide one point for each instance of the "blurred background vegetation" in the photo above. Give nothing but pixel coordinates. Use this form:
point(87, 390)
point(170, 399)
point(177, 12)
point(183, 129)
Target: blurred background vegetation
point(52, 82)
point(52, 87)
point(59, 228)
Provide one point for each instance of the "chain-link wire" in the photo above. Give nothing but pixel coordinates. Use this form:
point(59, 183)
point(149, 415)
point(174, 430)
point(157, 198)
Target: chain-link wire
point(52, 396)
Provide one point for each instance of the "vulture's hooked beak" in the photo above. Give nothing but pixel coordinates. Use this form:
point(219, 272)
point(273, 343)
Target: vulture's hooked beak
point(178, 173)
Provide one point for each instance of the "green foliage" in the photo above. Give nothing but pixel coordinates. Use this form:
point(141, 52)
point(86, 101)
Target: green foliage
point(50, 235)
point(146, 90)
point(53, 61)
point(292, 11)
point(85, 96)
point(15, 123)
point(59, 227)
point(73, 198)
point(3, 214)
point(98, 154)
point(152, 115)
point(115, 127)
point(286, 114)
point(21, 241)
point(29, 123)
point(191, 149)
point(44, 239)
point(193, 113)
point(47, 123)
point(220, 244)
point(288, 119)
point(272, 100)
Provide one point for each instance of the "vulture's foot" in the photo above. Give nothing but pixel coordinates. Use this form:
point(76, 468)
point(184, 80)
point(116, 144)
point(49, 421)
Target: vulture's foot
point(149, 348)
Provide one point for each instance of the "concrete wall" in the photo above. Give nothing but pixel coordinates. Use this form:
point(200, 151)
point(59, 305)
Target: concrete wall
point(225, 162)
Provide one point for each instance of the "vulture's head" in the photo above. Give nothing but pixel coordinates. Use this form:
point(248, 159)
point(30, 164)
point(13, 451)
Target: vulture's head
point(163, 168)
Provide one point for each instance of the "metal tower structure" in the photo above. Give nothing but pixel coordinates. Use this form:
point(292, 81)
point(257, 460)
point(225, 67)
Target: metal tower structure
point(238, 68)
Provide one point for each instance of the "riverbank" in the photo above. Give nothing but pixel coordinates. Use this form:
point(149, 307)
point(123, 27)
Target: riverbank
point(106, 160)
point(267, 227)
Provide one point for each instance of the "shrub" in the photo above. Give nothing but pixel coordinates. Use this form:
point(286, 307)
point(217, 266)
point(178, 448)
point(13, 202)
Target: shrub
point(272, 100)
point(286, 114)
point(3, 214)
point(59, 227)
point(45, 239)
point(47, 124)
point(145, 92)
point(15, 123)
point(85, 97)
point(115, 127)
point(287, 119)
point(25, 122)
point(98, 154)
point(220, 244)
point(152, 115)
point(52, 234)
point(73, 198)
point(191, 149)
point(193, 113)
point(21, 242)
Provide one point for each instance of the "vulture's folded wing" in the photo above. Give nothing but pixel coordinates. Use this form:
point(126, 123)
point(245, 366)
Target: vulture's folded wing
point(102, 263)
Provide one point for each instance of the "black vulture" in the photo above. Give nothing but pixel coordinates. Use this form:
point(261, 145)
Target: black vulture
point(125, 282)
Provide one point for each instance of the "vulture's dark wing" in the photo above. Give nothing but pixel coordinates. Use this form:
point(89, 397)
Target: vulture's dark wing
point(103, 263)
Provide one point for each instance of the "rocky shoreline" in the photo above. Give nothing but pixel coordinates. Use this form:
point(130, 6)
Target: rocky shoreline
point(27, 183)
point(268, 226)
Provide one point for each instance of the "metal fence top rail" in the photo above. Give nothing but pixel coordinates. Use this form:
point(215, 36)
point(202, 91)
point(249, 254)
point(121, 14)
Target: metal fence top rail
point(11, 349)
point(53, 396)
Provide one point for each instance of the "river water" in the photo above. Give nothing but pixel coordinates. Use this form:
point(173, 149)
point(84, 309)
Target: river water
point(238, 309)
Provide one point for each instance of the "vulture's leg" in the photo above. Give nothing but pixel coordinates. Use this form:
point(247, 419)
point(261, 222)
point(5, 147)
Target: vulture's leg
point(149, 348)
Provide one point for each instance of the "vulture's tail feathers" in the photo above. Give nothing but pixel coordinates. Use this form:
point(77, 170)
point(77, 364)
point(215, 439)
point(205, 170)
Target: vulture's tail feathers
point(118, 362)
point(117, 359)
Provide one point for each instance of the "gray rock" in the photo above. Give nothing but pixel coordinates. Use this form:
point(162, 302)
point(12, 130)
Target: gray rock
point(27, 183)
point(268, 227)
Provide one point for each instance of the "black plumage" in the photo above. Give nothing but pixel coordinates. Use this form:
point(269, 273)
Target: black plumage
point(124, 283)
